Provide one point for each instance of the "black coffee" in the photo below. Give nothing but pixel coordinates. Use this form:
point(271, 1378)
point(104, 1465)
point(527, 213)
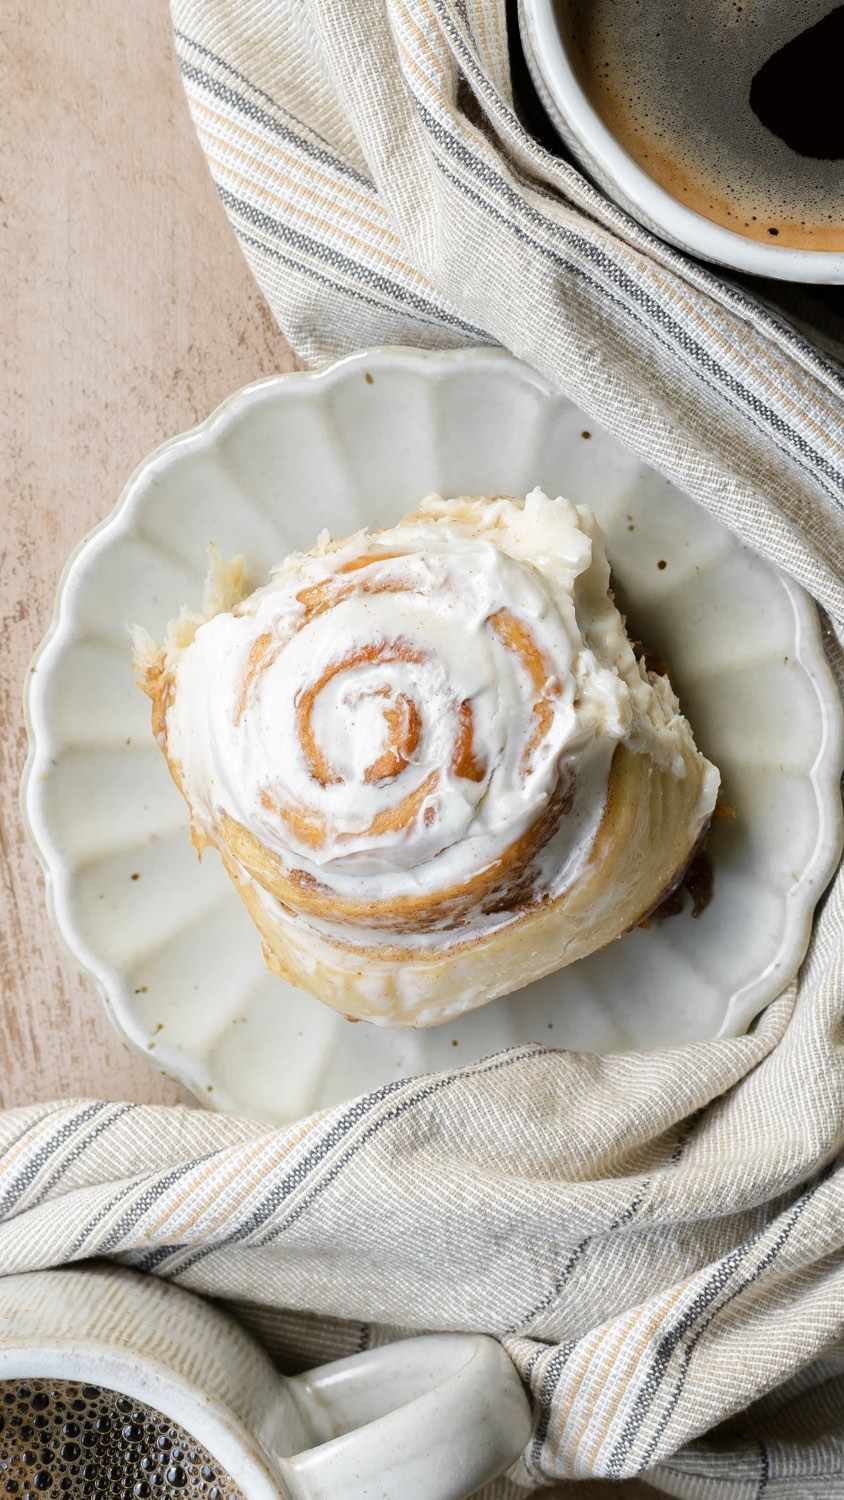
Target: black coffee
point(60, 1440)
point(735, 107)
point(798, 94)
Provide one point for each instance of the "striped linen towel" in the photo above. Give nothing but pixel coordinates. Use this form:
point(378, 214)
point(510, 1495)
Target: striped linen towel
point(657, 1239)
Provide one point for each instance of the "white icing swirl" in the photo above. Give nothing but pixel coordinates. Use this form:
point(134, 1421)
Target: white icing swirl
point(394, 715)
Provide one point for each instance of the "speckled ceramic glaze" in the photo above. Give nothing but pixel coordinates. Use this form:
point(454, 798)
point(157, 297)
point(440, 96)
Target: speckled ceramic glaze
point(168, 941)
point(428, 1418)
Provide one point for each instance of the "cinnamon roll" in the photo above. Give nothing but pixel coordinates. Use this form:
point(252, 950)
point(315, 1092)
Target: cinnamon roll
point(428, 756)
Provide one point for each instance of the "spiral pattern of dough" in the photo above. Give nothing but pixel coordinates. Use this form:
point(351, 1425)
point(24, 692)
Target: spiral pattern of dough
point(403, 744)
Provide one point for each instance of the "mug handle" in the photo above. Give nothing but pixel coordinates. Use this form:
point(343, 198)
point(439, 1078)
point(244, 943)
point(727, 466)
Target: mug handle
point(429, 1418)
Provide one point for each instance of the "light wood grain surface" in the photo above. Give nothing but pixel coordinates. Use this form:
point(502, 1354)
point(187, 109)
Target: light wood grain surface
point(128, 314)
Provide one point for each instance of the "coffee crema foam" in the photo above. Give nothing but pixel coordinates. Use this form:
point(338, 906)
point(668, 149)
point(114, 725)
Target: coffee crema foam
point(672, 81)
point(62, 1440)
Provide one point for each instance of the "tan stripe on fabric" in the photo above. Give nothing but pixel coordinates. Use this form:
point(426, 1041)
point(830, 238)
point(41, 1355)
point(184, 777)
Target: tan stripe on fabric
point(436, 59)
point(338, 196)
point(632, 1357)
point(197, 1181)
point(314, 220)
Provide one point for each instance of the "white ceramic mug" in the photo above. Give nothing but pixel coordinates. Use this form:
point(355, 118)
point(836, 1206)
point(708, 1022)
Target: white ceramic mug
point(430, 1418)
point(622, 179)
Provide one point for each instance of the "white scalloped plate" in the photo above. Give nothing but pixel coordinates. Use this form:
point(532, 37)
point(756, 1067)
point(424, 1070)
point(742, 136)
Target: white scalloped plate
point(168, 941)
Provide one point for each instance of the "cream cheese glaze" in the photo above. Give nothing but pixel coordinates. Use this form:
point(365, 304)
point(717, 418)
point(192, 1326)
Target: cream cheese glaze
point(410, 721)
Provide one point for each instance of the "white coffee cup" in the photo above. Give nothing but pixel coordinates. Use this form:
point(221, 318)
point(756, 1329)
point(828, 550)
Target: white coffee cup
point(429, 1418)
point(622, 179)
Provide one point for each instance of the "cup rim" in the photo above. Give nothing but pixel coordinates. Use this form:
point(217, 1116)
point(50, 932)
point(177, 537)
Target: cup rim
point(145, 1380)
point(585, 131)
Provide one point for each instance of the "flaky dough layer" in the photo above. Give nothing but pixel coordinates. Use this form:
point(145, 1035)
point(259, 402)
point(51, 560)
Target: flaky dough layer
point(430, 761)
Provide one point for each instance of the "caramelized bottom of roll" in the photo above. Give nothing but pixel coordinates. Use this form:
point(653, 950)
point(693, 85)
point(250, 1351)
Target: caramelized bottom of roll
point(645, 808)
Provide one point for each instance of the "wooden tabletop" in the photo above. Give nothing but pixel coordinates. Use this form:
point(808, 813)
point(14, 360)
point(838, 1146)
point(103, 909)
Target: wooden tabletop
point(128, 314)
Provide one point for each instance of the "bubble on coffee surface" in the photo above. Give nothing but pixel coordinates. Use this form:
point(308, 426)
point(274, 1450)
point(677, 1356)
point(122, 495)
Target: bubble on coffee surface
point(672, 81)
point(62, 1440)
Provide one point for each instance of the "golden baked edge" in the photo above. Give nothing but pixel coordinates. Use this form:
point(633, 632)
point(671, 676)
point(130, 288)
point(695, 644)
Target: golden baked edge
point(652, 825)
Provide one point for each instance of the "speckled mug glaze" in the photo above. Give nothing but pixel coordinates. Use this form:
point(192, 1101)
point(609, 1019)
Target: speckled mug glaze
point(429, 1418)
